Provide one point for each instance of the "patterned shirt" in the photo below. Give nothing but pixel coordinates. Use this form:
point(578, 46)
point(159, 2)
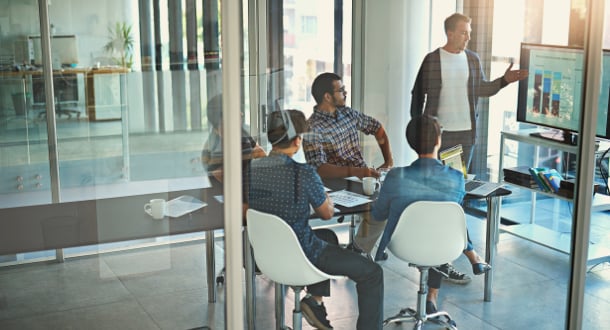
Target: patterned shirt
point(335, 137)
point(426, 179)
point(285, 188)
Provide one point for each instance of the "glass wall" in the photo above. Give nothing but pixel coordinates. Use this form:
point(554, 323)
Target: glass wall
point(128, 108)
point(132, 87)
point(552, 219)
point(133, 114)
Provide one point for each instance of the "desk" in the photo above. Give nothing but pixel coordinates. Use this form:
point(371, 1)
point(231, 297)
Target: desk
point(109, 219)
point(536, 233)
point(97, 103)
point(105, 93)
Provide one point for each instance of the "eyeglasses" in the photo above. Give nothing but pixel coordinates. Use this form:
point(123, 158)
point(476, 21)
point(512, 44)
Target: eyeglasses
point(341, 90)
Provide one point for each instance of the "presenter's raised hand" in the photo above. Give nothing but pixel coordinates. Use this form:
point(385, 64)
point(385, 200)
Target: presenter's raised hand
point(511, 76)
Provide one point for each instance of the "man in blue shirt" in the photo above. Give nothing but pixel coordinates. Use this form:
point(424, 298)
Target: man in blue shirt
point(335, 148)
point(283, 187)
point(425, 179)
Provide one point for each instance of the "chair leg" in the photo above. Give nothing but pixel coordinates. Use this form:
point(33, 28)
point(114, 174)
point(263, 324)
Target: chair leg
point(297, 317)
point(280, 322)
point(419, 315)
point(422, 294)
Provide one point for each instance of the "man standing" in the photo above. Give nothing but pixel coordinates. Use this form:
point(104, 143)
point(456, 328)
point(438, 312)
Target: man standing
point(448, 86)
point(334, 147)
point(281, 186)
point(450, 82)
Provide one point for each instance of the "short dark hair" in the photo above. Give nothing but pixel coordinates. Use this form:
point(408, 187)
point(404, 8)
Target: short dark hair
point(422, 134)
point(323, 84)
point(276, 129)
point(214, 111)
point(451, 21)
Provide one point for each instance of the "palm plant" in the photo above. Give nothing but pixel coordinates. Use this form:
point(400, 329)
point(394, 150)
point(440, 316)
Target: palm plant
point(120, 42)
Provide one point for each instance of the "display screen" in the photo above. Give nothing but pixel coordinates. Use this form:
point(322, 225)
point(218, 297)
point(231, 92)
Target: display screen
point(552, 96)
point(64, 49)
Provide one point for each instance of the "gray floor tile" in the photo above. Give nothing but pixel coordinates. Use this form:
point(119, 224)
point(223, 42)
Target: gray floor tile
point(164, 287)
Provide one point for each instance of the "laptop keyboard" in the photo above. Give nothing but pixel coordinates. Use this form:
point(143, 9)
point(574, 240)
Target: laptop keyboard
point(471, 185)
point(481, 188)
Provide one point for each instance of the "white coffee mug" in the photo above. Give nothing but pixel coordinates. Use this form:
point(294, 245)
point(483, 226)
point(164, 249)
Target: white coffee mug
point(370, 185)
point(155, 208)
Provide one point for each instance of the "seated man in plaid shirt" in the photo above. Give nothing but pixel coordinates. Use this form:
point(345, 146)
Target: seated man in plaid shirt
point(334, 147)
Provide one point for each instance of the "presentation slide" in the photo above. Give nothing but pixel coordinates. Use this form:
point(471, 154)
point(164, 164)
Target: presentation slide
point(555, 88)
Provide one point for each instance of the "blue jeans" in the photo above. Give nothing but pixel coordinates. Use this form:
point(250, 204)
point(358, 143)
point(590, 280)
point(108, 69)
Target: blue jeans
point(368, 275)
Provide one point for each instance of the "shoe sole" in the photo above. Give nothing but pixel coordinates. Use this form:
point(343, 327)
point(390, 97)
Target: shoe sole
point(451, 280)
point(311, 318)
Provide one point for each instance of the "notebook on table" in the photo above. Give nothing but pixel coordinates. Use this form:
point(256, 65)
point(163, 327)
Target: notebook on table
point(452, 157)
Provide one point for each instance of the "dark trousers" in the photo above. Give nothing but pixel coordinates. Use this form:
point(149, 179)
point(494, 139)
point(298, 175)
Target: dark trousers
point(368, 275)
point(434, 279)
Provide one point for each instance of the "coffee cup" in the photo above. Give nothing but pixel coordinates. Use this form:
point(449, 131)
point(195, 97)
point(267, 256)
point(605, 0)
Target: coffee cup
point(370, 185)
point(155, 208)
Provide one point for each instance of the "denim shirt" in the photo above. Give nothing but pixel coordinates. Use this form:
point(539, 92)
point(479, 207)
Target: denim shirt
point(425, 179)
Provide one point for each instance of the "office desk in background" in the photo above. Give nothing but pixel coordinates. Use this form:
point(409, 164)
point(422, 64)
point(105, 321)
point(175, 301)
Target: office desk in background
point(105, 93)
point(104, 90)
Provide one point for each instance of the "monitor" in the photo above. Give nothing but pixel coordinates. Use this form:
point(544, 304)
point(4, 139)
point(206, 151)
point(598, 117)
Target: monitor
point(64, 50)
point(552, 95)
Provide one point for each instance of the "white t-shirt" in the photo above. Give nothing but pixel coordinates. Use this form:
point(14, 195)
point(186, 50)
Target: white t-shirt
point(453, 106)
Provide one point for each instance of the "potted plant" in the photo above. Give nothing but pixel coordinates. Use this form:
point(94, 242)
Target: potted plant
point(120, 44)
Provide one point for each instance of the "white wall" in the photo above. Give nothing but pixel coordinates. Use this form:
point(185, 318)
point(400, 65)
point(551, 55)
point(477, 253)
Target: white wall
point(396, 40)
point(88, 20)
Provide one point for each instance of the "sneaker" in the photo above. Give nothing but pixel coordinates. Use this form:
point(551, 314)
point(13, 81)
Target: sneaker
point(314, 313)
point(453, 275)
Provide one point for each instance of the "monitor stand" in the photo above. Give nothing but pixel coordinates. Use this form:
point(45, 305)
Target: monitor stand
point(561, 136)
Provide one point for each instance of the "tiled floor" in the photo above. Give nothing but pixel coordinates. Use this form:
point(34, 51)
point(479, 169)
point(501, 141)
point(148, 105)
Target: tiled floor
point(164, 287)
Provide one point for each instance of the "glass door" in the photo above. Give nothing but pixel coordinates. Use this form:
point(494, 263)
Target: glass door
point(24, 154)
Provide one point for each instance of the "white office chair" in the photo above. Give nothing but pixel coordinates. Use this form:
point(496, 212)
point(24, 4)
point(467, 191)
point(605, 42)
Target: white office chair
point(280, 257)
point(428, 234)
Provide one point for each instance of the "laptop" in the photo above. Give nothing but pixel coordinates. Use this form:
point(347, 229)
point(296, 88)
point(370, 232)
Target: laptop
point(452, 157)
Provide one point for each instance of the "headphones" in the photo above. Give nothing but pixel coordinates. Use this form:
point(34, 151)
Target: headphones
point(282, 120)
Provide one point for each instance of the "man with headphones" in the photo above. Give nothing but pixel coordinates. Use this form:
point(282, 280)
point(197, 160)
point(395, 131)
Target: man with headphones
point(288, 189)
point(334, 147)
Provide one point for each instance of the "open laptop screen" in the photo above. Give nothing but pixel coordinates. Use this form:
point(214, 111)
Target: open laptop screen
point(452, 157)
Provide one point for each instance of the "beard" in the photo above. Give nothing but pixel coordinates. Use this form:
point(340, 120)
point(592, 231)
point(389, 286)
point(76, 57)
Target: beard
point(339, 102)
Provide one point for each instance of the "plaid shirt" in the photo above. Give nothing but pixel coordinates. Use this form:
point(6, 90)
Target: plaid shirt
point(335, 137)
